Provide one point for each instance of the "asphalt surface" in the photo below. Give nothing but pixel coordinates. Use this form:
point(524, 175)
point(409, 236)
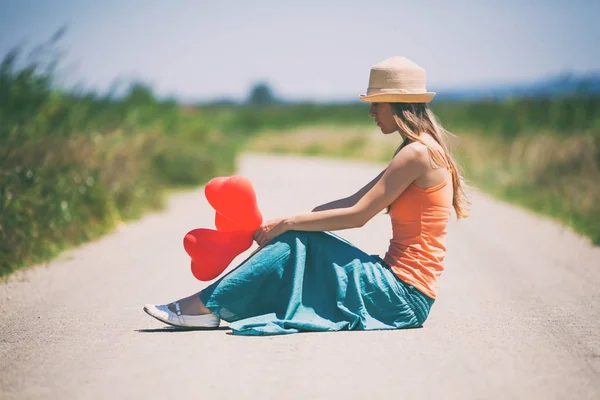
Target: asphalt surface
point(517, 313)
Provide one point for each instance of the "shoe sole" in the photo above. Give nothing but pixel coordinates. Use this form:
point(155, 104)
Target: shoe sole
point(191, 328)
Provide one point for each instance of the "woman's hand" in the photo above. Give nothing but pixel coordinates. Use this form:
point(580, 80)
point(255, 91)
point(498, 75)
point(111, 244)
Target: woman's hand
point(269, 230)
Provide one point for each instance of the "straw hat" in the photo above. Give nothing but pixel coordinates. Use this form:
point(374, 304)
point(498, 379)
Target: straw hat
point(397, 80)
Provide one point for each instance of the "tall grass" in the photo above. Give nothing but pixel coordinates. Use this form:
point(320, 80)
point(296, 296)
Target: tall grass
point(559, 114)
point(74, 164)
point(548, 173)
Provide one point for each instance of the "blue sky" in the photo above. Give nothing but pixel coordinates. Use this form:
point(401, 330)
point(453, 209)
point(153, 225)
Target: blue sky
point(307, 49)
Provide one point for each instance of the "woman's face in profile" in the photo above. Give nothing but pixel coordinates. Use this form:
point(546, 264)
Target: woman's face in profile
point(382, 113)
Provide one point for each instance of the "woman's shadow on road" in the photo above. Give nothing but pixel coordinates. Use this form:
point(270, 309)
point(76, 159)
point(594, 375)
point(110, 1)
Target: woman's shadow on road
point(172, 329)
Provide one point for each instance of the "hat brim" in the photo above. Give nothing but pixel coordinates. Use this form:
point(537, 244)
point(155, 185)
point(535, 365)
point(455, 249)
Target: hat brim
point(397, 97)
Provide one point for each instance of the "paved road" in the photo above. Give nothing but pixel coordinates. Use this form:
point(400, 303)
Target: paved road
point(517, 315)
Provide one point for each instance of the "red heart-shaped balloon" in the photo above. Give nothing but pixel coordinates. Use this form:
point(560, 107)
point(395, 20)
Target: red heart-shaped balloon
point(212, 251)
point(237, 217)
point(234, 198)
point(224, 224)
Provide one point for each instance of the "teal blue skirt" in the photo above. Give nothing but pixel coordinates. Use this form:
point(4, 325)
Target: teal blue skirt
point(314, 282)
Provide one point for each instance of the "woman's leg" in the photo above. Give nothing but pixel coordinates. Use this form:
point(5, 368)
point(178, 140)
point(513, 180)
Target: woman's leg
point(193, 305)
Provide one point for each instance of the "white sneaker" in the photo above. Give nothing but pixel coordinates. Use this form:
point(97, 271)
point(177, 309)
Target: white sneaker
point(162, 313)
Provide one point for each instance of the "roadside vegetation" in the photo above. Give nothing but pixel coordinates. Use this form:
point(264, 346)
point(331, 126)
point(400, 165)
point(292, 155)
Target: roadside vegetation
point(75, 163)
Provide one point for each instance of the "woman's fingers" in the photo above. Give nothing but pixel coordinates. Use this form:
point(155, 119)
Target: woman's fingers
point(259, 238)
point(257, 235)
point(264, 240)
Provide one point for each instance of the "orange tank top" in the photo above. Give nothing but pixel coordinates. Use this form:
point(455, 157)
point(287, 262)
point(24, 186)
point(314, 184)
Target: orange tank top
point(419, 224)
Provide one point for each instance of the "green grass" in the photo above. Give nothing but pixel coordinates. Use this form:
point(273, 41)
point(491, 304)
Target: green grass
point(73, 165)
point(549, 174)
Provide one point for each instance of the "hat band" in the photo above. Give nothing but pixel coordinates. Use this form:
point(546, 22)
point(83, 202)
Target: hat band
point(372, 91)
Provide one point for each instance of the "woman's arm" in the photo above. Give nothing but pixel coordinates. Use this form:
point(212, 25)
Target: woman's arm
point(351, 200)
point(405, 167)
point(409, 164)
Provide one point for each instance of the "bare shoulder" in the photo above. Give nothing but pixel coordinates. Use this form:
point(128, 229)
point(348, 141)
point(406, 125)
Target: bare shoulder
point(414, 154)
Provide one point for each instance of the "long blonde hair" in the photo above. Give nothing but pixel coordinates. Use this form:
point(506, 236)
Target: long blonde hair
point(416, 118)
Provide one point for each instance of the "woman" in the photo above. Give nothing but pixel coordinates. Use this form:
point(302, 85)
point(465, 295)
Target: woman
point(305, 278)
